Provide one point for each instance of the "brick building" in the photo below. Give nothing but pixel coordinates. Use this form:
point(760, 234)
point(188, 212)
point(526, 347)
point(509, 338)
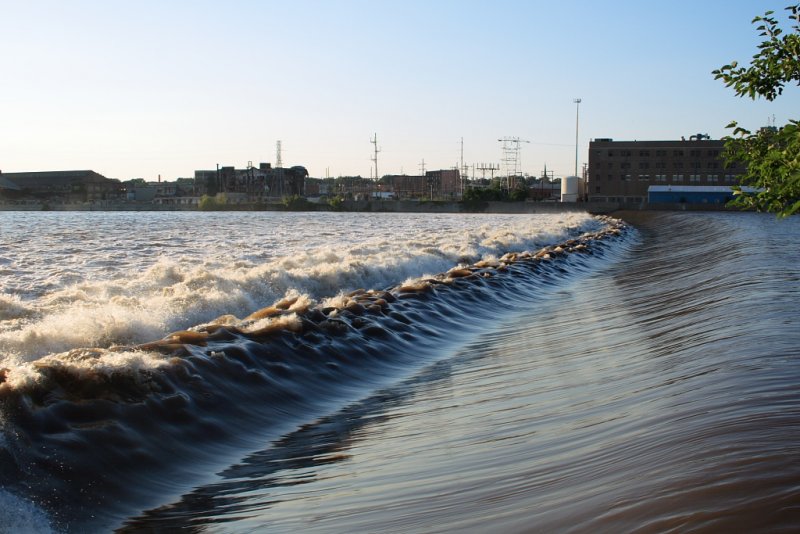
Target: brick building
point(622, 171)
point(441, 184)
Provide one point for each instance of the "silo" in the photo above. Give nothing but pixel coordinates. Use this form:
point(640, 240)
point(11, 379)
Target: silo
point(570, 188)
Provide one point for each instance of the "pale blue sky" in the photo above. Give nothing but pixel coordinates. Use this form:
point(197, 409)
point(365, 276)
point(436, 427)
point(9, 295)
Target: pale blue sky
point(138, 89)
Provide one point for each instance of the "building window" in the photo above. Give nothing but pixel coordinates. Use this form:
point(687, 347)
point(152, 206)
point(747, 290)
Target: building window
point(694, 177)
point(625, 165)
point(610, 164)
point(677, 177)
point(678, 165)
point(696, 164)
point(677, 152)
point(626, 177)
point(644, 165)
point(643, 153)
point(624, 152)
point(661, 177)
point(610, 153)
point(713, 153)
point(661, 153)
point(644, 177)
point(694, 153)
point(713, 177)
point(660, 165)
point(713, 164)
point(729, 178)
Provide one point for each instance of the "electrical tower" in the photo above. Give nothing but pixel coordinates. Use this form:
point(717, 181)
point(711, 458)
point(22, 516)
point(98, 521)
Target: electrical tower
point(278, 163)
point(511, 158)
point(374, 141)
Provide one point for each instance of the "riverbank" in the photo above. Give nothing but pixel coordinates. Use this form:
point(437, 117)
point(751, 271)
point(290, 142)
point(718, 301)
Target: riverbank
point(391, 206)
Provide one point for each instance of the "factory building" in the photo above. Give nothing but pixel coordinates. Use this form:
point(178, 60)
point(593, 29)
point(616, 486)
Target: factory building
point(253, 183)
point(624, 171)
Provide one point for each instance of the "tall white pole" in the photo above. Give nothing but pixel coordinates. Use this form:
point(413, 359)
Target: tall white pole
point(577, 102)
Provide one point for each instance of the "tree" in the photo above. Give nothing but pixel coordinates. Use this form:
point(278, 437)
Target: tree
point(772, 155)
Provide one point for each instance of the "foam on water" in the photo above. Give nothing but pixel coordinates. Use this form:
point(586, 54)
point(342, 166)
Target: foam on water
point(77, 283)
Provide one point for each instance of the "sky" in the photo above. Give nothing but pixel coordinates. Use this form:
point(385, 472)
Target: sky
point(161, 88)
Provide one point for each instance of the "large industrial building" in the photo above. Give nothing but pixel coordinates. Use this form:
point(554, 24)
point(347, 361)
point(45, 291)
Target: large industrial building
point(253, 183)
point(623, 171)
point(64, 186)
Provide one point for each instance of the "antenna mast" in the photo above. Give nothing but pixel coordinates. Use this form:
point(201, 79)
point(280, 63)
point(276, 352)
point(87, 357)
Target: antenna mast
point(278, 163)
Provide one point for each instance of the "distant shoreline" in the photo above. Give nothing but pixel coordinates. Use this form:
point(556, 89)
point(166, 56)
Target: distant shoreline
point(391, 206)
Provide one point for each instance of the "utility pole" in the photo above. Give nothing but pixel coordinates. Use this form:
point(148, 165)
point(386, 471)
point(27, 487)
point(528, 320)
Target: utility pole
point(577, 102)
point(461, 169)
point(374, 141)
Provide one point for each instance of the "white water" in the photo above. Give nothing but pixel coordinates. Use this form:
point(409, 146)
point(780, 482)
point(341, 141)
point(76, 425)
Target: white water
point(78, 279)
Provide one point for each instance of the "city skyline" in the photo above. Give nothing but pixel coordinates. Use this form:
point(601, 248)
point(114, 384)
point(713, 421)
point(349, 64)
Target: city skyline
point(138, 91)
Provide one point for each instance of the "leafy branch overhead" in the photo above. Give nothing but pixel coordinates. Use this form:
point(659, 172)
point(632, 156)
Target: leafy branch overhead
point(772, 155)
point(776, 64)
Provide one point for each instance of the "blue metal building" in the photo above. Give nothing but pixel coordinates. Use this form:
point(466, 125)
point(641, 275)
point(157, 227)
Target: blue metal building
point(690, 194)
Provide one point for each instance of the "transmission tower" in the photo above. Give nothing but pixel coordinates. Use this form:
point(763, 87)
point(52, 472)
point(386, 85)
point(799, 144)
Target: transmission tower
point(278, 163)
point(511, 158)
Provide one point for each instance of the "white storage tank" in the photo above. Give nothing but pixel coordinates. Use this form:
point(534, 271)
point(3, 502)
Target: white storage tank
point(570, 188)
